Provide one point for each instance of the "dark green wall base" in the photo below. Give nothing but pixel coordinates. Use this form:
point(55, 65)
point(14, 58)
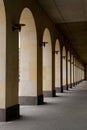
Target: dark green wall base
point(31, 100)
point(64, 87)
point(49, 93)
point(11, 113)
point(58, 89)
point(69, 85)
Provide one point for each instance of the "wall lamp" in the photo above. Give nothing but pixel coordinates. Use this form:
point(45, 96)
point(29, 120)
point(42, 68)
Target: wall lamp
point(17, 27)
point(68, 60)
point(64, 57)
point(43, 43)
point(56, 52)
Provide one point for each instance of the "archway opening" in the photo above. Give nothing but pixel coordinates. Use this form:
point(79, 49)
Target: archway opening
point(2, 55)
point(47, 64)
point(57, 66)
point(27, 58)
point(64, 66)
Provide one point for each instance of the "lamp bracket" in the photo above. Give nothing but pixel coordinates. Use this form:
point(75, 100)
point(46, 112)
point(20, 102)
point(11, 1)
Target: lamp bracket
point(17, 26)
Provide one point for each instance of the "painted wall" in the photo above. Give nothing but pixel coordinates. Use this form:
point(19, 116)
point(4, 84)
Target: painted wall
point(13, 12)
point(27, 55)
point(57, 64)
point(10, 64)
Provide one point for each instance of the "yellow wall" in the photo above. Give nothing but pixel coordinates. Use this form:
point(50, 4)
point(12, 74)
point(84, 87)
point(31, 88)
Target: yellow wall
point(47, 61)
point(57, 64)
point(28, 55)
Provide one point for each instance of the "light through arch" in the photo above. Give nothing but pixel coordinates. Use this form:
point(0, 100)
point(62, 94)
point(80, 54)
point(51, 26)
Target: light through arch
point(57, 65)
point(47, 62)
point(27, 55)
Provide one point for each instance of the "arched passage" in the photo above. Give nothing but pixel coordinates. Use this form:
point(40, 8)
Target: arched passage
point(69, 68)
point(57, 66)
point(27, 58)
point(2, 55)
point(64, 66)
point(47, 64)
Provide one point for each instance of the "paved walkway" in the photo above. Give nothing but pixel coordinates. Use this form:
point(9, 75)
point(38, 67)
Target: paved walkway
point(67, 111)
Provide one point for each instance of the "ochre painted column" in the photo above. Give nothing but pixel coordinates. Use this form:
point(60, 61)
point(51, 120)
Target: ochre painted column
point(39, 96)
point(9, 106)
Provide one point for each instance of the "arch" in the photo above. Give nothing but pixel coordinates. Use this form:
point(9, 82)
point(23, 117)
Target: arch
point(47, 62)
point(2, 54)
point(57, 65)
point(64, 65)
point(27, 55)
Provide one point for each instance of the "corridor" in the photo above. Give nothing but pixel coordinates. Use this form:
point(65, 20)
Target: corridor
point(66, 111)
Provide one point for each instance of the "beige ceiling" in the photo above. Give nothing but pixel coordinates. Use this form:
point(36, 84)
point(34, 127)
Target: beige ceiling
point(70, 17)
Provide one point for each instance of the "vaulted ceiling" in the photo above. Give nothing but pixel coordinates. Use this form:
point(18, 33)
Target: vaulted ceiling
point(70, 17)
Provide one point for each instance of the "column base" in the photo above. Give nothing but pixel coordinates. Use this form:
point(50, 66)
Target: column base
point(80, 81)
point(71, 85)
point(61, 89)
point(8, 114)
point(49, 93)
point(67, 87)
point(74, 84)
point(58, 89)
point(31, 100)
point(64, 87)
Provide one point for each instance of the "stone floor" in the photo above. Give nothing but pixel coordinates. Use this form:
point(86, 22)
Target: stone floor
point(67, 111)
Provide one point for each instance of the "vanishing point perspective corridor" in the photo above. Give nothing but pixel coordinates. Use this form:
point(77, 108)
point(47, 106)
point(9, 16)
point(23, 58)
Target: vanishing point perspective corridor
point(43, 64)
